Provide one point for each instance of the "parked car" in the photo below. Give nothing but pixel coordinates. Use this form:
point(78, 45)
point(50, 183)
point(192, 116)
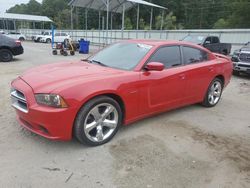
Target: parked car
point(241, 60)
point(16, 35)
point(59, 37)
point(8, 48)
point(210, 42)
point(45, 34)
point(122, 83)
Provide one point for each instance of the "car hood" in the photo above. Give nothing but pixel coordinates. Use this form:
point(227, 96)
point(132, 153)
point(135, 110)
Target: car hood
point(47, 78)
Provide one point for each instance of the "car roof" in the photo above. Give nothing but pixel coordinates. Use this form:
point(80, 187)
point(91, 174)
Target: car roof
point(162, 42)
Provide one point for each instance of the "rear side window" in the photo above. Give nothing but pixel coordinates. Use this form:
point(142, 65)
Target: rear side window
point(57, 34)
point(193, 55)
point(170, 56)
point(216, 40)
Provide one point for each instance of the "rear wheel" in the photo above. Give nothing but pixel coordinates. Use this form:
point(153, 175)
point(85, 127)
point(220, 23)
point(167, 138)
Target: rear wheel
point(48, 41)
point(213, 94)
point(21, 39)
point(54, 52)
point(5, 55)
point(98, 121)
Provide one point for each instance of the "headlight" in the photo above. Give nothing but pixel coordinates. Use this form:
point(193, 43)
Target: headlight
point(52, 100)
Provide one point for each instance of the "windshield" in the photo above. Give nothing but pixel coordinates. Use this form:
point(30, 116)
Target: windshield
point(194, 39)
point(122, 55)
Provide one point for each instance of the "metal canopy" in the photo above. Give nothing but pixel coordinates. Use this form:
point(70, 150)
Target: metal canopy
point(114, 5)
point(10, 16)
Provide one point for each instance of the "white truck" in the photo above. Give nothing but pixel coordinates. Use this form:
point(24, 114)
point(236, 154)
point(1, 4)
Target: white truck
point(58, 37)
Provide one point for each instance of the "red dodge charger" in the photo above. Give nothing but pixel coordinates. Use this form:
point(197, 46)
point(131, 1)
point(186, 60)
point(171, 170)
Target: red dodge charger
point(122, 83)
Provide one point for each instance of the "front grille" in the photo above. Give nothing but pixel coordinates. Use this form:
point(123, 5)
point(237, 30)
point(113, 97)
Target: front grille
point(19, 101)
point(244, 65)
point(244, 57)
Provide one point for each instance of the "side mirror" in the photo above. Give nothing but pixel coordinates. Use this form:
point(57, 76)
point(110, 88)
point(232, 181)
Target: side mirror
point(154, 66)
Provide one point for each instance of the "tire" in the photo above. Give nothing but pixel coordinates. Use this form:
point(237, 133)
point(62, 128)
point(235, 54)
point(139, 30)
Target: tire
point(236, 73)
point(21, 39)
point(5, 55)
point(85, 117)
point(65, 53)
point(213, 93)
point(54, 52)
point(48, 40)
point(72, 52)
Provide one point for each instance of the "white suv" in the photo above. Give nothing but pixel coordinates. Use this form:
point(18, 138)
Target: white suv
point(16, 35)
point(45, 34)
point(59, 37)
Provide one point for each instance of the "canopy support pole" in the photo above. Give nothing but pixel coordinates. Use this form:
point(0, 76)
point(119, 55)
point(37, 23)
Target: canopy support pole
point(3, 24)
point(99, 21)
point(99, 27)
point(71, 17)
point(107, 24)
point(86, 19)
point(137, 21)
point(151, 18)
point(123, 18)
point(162, 17)
point(111, 21)
point(14, 22)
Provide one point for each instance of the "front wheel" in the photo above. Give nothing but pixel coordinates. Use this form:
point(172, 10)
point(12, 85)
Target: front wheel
point(98, 121)
point(236, 73)
point(213, 94)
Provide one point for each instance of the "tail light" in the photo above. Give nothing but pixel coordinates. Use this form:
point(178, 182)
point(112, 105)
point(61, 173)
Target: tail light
point(18, 42)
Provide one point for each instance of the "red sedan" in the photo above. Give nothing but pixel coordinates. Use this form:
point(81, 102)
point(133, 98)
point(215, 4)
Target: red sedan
point(124, 82)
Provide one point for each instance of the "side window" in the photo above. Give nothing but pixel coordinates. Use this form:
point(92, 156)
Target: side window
point(63, 34)
point(215, 40)
point(208, 40)
point(57, 34)
point(194, 55)
point(170, 56)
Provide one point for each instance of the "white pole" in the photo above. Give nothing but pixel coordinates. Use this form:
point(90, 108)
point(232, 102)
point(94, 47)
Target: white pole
point(138, 14)
point(151, 18)
point(162, 16)
point(123, 17)
point(71, 17)
point(107, 24)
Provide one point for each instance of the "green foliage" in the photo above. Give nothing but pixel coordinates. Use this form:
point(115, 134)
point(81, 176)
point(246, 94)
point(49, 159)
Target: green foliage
point(128, 24)
point(196, 14)
point(220, 24)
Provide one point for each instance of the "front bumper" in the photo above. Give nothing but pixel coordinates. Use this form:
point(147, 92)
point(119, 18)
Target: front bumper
point(51, 123)
point(241, 67)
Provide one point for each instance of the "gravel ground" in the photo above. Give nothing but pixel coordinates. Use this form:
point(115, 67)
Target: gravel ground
point(191, 147)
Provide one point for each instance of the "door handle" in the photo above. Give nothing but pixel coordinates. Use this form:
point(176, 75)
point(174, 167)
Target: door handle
point(182, 76)
point(211, 69)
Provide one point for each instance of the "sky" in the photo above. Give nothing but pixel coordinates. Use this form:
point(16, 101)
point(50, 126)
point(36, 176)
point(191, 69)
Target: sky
point(6, 4)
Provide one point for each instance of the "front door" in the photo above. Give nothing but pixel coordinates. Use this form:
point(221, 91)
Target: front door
point(162, 90)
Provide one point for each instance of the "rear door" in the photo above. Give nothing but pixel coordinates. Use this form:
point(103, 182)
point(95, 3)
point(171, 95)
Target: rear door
point(199, 72)
point(163, 89)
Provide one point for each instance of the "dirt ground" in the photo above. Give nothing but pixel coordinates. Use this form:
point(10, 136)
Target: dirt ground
point(192, 147)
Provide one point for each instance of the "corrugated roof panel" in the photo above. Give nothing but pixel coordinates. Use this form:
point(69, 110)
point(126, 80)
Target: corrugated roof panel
point(27, 17)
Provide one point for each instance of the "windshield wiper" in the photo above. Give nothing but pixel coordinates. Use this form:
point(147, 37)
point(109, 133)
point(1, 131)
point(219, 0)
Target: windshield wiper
point(98, 62)
point(94, 61)
point(89, 61)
